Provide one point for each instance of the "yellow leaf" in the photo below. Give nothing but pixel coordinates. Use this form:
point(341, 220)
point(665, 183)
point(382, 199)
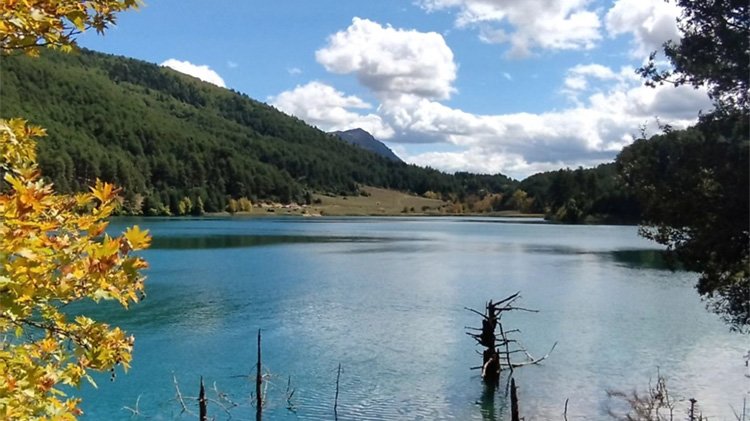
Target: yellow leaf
point(105, 192)
point(78, 18)
point(96, 229)
point(137, 238)
point(26, 254)
point(108, 247)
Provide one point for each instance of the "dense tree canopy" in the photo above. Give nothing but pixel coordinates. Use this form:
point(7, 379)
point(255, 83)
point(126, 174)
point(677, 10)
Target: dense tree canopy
point(693, 183)
point(693, 186)
point(582, 195)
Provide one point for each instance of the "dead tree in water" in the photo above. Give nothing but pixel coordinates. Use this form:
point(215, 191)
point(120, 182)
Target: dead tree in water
point(498, 349)
point(514, 415)
point(202, 408)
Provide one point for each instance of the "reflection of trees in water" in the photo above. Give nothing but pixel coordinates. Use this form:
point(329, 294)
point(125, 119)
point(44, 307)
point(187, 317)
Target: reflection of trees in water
point(238, 241)
point(644, 259)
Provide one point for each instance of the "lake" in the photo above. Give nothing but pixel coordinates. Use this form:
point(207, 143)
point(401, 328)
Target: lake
point(385, 298)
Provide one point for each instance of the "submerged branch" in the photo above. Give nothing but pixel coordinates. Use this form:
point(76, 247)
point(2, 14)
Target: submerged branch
point(532, 360)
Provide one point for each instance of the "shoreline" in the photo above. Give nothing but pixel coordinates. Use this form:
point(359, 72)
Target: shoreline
point(322, 213)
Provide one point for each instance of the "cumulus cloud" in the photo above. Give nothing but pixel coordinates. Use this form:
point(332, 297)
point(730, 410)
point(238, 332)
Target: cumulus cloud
point(609, 106)
point(518, 144)
point(391, 61)
point(481, 161)
point(584, 79)
point(651, 22)
point(328, 109)
point(201, 72)
point(592, 131)
point(526, 25)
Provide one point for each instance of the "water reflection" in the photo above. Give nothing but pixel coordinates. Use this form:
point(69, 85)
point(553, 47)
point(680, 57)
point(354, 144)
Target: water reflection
point(235, 241)
point(170, 307)
point(385, 298)
point(645, 259)
point(487, 403)
point(494, 404)
point(638, 259)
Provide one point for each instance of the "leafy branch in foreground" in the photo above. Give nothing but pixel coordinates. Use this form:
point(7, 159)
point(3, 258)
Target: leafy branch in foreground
point(54, 251)
point(27, 25)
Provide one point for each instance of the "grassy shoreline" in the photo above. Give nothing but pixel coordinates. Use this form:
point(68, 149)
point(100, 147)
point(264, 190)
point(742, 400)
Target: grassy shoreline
point(375, 202)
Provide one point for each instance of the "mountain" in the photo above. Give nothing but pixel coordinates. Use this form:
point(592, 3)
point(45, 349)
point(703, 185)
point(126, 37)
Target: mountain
point(169, 139)
point(365, 140)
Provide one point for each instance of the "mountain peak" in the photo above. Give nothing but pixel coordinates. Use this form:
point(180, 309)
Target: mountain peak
point(363, 139)
point(359, 131)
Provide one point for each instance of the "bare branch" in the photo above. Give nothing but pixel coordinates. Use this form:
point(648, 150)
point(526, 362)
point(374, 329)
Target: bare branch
point(510, 298)
point(474, 311)
point(180, 399)
point(532, 360)
point(135, 412)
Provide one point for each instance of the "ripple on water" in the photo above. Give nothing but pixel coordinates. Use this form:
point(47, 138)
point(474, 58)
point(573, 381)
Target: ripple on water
point(385, 298)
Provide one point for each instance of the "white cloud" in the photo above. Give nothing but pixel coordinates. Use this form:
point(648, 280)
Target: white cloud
point(651, 22)
point(592, 131)
point(294, 71)
point(328, 109)
point(410, 73)
point(391, 61)
point(527, 25)
point(480, 161)
point(577, 77)
point(594, 70)
point(232, 65)
point(201, 72)
point(585, 79)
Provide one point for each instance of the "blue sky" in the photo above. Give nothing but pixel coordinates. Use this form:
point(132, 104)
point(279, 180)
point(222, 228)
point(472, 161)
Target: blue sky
point(481, 85)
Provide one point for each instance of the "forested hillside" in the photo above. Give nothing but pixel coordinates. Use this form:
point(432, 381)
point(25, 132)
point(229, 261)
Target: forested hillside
point(177, 145)
point(582, 195)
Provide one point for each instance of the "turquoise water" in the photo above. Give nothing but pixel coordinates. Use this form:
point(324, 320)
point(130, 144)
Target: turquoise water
point(385, 298)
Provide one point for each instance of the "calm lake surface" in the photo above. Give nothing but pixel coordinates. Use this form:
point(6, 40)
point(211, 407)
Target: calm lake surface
point(385, 298)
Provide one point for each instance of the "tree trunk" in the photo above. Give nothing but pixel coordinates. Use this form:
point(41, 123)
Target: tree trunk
point(514, 416)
